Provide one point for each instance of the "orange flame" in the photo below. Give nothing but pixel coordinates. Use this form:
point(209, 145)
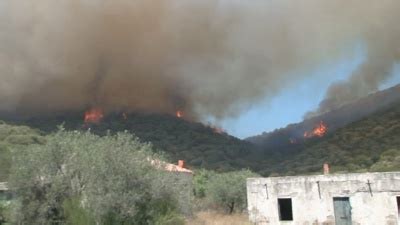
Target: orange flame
point(319, 131)
point(179, 114)
point(94, 115)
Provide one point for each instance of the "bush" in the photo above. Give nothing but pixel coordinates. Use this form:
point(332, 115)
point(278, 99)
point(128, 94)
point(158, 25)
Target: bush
point(75, 214)
point(5, 161)
point(3, 210)
point(81, 178)
point(200, 181)
point(228, 190)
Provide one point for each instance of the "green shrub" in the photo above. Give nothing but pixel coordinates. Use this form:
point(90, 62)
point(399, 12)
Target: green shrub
point(4, 212)
point(5, 161)
point(81, 178)
point(75, 214)
point(228, 190)
point(200, 182)
point(20, 139)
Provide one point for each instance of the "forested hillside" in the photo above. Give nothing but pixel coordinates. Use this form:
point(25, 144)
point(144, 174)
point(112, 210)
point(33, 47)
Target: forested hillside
point(201, 146)
point(283, 138)
point(371, 144)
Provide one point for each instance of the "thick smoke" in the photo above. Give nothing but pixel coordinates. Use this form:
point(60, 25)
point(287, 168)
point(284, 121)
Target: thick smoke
point(207, 58)
point(382, 38)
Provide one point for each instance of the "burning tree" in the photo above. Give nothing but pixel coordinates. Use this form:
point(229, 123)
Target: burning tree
point(318, 131)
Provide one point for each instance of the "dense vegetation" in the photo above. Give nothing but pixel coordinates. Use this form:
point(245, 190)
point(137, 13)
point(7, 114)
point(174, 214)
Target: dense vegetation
point(65, 175)
point(221, 191)
point(228, 190)
point(283, 138)
point(371, 144)
point(77, 177)
point(199, 145)
point(80, 178)
point(14, 136)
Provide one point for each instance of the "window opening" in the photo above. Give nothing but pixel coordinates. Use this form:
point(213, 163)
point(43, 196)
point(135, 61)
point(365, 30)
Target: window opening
point(285, 209)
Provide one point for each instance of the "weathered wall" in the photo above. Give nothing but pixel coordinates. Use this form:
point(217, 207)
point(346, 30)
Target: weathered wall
point(3, 186)
point(309, 208)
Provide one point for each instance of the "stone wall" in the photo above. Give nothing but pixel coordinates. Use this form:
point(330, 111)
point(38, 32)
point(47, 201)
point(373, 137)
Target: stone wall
point(372, 198)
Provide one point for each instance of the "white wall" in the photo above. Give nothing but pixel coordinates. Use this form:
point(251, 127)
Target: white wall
point(309, 208)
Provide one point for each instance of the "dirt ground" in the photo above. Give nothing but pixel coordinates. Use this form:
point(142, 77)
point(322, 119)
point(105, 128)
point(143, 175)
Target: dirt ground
point(213, 218)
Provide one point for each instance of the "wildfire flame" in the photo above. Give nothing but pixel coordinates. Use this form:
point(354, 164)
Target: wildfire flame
point(319, 131)
point(179, 114)
point(94, 115)
point(218, 130)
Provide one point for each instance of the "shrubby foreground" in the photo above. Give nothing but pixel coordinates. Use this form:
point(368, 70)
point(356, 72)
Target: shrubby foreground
point(81, 178)
point(77, 177)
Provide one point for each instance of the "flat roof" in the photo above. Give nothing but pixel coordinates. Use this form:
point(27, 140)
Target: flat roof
point(330, 177)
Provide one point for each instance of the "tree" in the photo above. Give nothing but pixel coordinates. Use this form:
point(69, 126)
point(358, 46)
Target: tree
point(14, 136)
point(110, 179)
point(228, 190)
point(200, 182)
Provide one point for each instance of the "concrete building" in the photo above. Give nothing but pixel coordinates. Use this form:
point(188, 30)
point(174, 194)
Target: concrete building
point(341, 199)
point(4, 192)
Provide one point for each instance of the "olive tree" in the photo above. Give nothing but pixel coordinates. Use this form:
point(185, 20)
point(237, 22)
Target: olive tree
point(228, 190)
point(110, 179)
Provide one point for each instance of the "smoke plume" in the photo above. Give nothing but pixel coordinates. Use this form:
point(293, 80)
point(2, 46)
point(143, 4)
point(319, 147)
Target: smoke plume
point(206, 58)
point(382, 38)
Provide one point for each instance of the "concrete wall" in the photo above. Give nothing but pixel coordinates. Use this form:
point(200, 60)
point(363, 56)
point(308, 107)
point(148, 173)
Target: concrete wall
point(313, 207)
point(3, 186)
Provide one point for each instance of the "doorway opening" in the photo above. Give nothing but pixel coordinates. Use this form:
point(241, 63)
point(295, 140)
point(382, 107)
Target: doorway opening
point(342, 209)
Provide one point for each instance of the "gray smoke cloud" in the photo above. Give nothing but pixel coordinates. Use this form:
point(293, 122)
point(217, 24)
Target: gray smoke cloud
point(382, 38)
point(206, 58)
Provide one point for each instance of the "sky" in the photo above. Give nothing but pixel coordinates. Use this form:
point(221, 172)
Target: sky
point(290, 105)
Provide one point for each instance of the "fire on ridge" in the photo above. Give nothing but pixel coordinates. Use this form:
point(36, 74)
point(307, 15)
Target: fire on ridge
point(318, 131)
point(94, 115)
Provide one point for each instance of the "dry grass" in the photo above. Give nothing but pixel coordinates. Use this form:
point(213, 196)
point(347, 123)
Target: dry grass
point(213, 218)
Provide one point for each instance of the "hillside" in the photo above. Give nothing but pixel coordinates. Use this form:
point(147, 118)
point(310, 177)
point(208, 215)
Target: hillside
point(371, 144)
point(199, 145)
point(368, 142)
point(283, 138)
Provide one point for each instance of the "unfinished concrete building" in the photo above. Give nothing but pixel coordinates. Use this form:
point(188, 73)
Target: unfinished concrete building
point(341, 199)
